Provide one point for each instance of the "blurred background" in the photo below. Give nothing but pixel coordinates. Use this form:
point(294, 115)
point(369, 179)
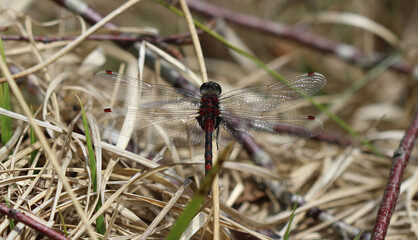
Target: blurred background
point(367, 50)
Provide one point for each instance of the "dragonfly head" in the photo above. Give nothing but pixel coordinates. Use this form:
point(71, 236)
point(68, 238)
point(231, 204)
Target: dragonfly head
point(210, 88)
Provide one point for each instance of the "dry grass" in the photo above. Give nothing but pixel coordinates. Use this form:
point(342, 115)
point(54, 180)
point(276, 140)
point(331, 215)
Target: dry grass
point(346, 182)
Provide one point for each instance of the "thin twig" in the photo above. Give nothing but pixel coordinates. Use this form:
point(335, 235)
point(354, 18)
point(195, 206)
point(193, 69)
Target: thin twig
point(178, 39)
point(28, 221)
point(400, 160)
point(162, 42)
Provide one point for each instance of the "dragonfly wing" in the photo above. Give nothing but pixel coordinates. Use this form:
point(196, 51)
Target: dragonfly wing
point(180, 129)
point(275, 130)
point(277, 96)
point(143, 95)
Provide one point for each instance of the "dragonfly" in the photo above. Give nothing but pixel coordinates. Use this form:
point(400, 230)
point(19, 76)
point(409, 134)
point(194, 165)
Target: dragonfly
point(166, 115)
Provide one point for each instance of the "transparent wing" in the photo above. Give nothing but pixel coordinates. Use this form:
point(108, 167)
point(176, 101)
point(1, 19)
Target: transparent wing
point(275, 130)
point(164, 115)
point(178, 129)
point(277, 96)
point(143, 95)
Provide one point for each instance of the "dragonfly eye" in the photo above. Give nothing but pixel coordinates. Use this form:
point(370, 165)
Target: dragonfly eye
point(210, 87)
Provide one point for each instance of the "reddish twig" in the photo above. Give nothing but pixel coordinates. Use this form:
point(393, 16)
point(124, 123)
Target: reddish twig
point(20, 217)
point(344, 51)
point(179, 39)
point(400, 159)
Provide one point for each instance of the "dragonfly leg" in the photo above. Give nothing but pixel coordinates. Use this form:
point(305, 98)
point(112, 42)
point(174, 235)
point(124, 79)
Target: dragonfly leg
point(200, 121)
point(218, 121)
point(217, 138)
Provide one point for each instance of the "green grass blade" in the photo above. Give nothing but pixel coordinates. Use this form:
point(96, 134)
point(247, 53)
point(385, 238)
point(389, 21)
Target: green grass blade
point(359, 235)
point(64, 226)
point(92, 155)
point(198, 197)
point(100, 224)
point(5, 121)
point(33, 140)
point(289, 226)
point(11, 220)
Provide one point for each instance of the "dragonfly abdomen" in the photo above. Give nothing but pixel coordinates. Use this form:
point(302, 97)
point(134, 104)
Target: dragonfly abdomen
point(208, 152)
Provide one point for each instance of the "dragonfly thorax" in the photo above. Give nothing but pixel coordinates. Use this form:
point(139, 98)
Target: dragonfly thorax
point(210, 88)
